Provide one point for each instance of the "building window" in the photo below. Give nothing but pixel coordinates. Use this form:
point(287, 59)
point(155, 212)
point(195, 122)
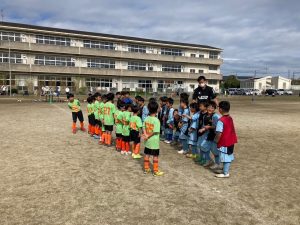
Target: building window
point(136, 66)
point(201, 56)
point(54, 60)
point(170, 51)
point(98, 44)
point(213, 67)
point(12, 36)
point(52, 40)
point(147, 84)
point(193, 55)
point(14, 57)
point(201, 71)
point(164, 85)
point(101, 63)
point(54, 81)
point(212, 82)
point(171, 68)
point(98, 82)
point(192, 71)
point(213, 55)
point(137, 48)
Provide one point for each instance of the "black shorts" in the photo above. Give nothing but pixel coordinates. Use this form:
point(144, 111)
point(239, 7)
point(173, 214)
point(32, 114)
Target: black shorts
point(98, 122)
point(135, 136)
point(78, 115)
point(92, 120)
point(126, 138)
point(153, 152)
point(109, 127)
point(119, 135)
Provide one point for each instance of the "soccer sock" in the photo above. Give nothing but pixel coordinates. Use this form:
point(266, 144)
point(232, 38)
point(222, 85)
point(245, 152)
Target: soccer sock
point(81, 125)
point(103, 137)
point(123, 146)
point(92, 130)
point(133, 148)
point(96, 130)
point(73, 126)
point(155, 165)
point(137, 148)
point(108, 137)
point(146, 162)
point(127, 146)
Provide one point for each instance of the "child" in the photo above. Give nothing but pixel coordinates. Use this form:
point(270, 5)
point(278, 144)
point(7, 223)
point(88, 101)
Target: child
point(151, 129)
point(182, 96)
point(109, 110)
point(208, 136)
point(101, 118)
point(98, 122)
point(193, 130)
point(91, 116)
point(144, 112)
point(119, 126)
point(176, 127)
point(126, 130)
point(203, 112)
point(135, 128)
point(225, 138)
point(74, 105)
point(184, 125)
point(169, 121)
point(126, 97)
point(161, 116)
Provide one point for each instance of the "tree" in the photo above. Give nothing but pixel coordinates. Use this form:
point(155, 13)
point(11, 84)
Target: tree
point(231, 82)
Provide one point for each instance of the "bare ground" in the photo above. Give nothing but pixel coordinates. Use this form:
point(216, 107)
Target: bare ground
point(50, 176)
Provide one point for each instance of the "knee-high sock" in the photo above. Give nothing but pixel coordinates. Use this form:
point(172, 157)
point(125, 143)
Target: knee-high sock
point(108, 139)
point(123, 146)
point(97, 130)
point(133, 148)
point(155, 164)
point(92, 130)
point(73, 126)
point(127, 146)
point(103, 137)
point(81, 125)
point(137, 149)
point(146, 162)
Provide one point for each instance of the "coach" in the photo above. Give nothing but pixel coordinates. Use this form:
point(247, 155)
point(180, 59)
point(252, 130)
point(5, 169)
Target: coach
point(204, 92)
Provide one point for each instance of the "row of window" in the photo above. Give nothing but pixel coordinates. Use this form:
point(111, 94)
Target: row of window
point(52, 40)
point(12, 36)
point(98, 44)
point(101, 63)
point(54, 61)
point(12, 58)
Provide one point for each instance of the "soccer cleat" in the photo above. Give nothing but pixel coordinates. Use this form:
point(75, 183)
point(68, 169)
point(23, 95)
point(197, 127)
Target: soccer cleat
point(181, 152)
point(96, 136)
point(158, 173)
point(83, 129)
point(168, 142)
point(74, 131)
point(222, 175)
point(147, 171)
point(123, 152)
point(136, 156)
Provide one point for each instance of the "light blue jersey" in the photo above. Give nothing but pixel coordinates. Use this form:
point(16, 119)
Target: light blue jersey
point(193, 136)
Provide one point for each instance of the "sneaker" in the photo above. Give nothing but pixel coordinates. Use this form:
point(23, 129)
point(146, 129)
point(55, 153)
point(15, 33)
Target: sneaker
point(147, 171)
point(208, 164)
point(74, 131)
point(158, 173)
point(181, 152)
point(194, 156)
point(218, 171)
point(222, 175)
point(96, 136)
point(168, 142)
point(188, 155)
point(136, 156)
point(83, 129)
point(216, 167)
point(122, 152)
point(129, 153)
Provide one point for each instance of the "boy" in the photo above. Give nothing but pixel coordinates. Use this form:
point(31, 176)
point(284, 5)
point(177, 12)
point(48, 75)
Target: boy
point(101, 118)
point(126, 130)
point(98, 123)
point(192, 141)
point(225, 138)
point(91, 116)
point(126, 97)
point(151, 129)
point(119, 125)
point(135, 128)
point(144, 112)
point(203, 112)
point(109, 110)
point(183, 96)
point(184, 125)
point(169, 121)
point(161, 115)
point(74, 105)
point(176, 127)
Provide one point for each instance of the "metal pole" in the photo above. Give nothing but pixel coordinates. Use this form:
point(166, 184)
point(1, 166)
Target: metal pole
point(9, 66)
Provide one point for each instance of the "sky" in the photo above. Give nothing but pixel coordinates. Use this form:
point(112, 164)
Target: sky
point(255, 35)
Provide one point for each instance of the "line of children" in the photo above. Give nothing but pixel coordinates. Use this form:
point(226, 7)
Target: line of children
point(201, 133)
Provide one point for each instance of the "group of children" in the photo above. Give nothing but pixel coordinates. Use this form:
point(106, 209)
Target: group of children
point(197, 129)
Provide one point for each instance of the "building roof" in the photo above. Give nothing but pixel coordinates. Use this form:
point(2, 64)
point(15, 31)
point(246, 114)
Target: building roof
point(179, 44)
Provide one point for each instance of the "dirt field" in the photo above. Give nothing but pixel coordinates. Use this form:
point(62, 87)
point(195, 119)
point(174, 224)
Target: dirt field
point(50, 176)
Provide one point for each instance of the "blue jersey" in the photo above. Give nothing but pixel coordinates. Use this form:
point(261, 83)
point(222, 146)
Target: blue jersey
point(145, 113)
point(170, 117)
point(194, 125)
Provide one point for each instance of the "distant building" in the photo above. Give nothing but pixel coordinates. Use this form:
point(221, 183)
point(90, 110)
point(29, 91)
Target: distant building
point(267, 82)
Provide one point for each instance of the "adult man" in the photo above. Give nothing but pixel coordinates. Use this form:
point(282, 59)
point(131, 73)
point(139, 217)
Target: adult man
point(204, 92)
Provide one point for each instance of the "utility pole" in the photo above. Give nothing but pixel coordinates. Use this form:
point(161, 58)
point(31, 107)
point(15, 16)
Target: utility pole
point(9, 66)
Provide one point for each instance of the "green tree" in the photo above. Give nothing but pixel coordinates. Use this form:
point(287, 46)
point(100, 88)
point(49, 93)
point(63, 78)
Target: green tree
point(231, 82)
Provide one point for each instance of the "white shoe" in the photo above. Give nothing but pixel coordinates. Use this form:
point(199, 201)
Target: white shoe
point(222, 175)
point(181, 152)
point(168, 142)
point(122, 152)
point(129, 153)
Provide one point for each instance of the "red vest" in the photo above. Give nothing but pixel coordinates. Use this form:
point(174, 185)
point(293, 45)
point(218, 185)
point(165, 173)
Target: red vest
point(228, 136)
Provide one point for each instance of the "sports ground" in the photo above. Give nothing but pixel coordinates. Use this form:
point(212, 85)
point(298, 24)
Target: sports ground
point(50, 176)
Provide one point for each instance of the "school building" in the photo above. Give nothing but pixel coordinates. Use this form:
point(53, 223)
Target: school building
point(267, 82)
point(37, 57)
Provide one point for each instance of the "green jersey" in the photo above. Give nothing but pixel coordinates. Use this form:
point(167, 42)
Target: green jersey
point(118, 121)
point(74, 106)
point(135, 123)
point(90, 109)
point(96, 109)
point(109, 110)
point(101, 110)
point(125, 120)
point(152, 125)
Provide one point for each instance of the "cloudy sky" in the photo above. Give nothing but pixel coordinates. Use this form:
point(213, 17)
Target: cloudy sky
point(261, 35)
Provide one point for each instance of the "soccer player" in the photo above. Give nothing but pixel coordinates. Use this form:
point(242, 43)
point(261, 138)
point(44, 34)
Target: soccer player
point(91, 116)
point(169, 126)
point(109, 110)
point(119, 126)
point(126, 130)
point(184, 125)
point(74, 105)
point(135, 132)
point(151, 129)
